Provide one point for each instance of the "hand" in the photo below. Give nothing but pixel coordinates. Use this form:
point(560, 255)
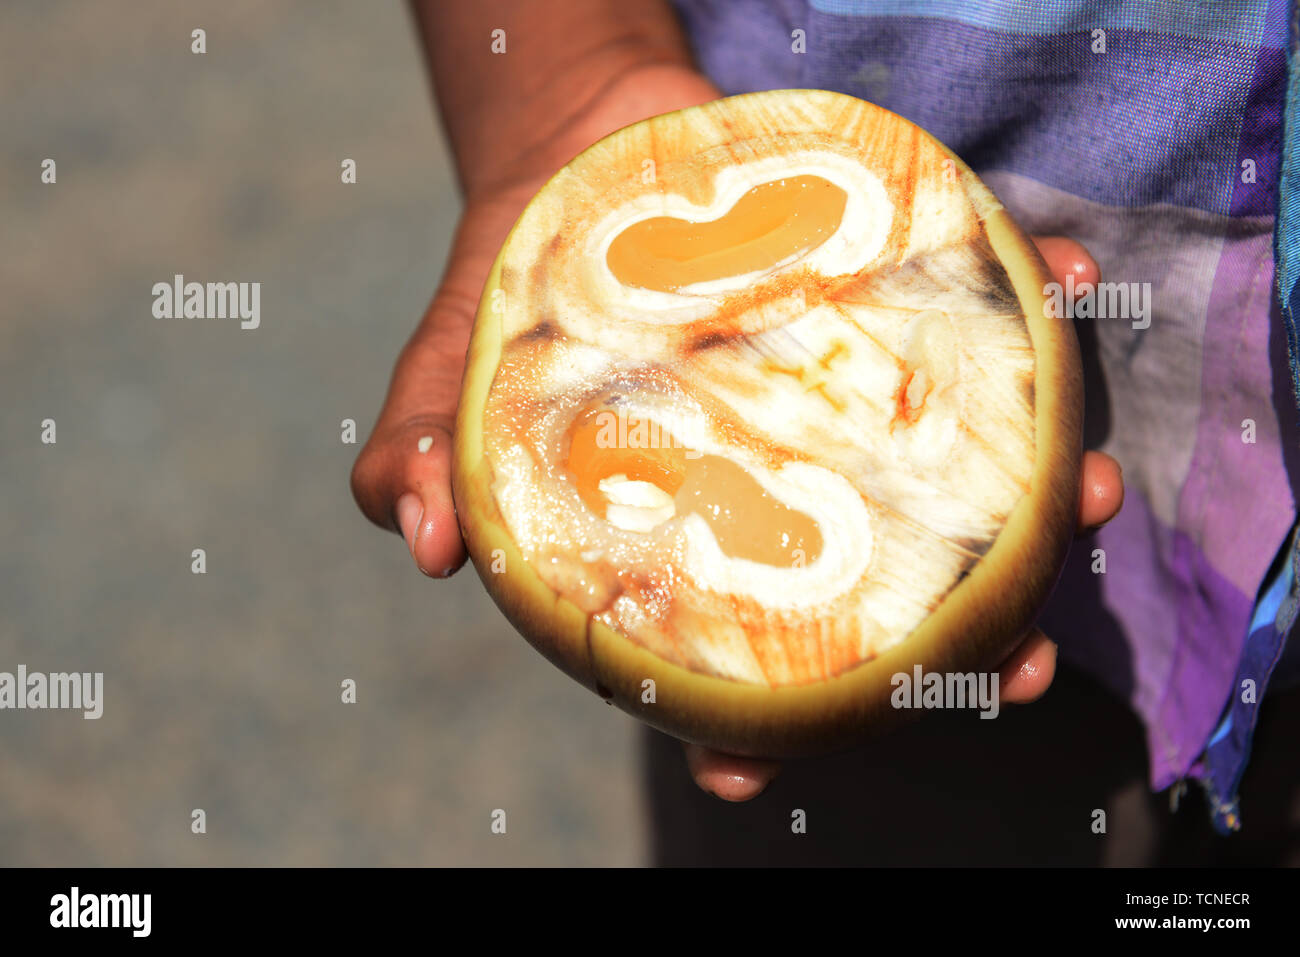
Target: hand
point(1026, 675)
point(397, 486)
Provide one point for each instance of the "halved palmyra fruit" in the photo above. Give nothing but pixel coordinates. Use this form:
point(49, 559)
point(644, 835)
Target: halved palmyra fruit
point(763, 406)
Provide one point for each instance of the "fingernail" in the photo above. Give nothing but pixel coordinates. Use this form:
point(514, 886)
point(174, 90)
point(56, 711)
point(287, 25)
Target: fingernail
point(410, 510)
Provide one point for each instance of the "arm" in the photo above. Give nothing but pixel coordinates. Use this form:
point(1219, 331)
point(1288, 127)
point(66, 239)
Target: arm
point(571, 73)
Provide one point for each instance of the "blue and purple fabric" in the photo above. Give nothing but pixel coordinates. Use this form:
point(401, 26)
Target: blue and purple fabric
point(1152, 132)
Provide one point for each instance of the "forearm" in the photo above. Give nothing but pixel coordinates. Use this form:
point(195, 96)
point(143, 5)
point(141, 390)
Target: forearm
point(572, 71)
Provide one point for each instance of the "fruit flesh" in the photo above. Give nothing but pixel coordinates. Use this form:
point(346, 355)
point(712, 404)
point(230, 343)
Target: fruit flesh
point(823, 657)
point(745, 519)
point(879, 380)
point(770, 224)
point(858, 471)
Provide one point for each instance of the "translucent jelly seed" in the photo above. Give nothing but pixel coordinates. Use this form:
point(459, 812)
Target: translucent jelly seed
point(745, 520)
point(771, 223)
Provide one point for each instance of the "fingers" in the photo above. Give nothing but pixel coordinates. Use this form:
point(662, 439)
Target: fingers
point(402, 477)
point(1024, 677)
point(727, 776)
point(1101, 494)
point(402, 481)
point(1028, 673)
point(1066, 257)
point(1102, 487)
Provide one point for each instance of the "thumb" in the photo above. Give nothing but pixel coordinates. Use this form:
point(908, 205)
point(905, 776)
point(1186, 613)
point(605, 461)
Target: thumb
point(402, 476)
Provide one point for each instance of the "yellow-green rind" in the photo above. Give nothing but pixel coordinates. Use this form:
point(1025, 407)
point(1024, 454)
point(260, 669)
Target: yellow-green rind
point(978, 624)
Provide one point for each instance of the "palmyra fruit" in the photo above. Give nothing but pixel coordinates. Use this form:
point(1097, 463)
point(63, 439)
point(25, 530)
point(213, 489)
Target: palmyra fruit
point(763, 407)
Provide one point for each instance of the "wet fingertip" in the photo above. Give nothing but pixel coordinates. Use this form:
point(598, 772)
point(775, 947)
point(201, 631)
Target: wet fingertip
point(729, 777)
point(1086, 271)
point(1027, 678)
point(1103, 500)
point(737, 790)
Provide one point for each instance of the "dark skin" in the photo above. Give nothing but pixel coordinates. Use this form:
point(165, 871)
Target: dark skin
point(573, 72)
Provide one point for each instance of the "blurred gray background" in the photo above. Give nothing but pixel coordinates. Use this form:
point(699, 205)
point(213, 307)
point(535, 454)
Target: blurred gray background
point(222, 691)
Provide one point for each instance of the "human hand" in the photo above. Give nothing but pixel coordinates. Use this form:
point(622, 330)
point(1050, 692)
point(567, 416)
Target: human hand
point(402, 476)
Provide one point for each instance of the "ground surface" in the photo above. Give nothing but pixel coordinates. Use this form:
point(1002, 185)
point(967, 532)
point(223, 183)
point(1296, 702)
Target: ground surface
point(222, 690)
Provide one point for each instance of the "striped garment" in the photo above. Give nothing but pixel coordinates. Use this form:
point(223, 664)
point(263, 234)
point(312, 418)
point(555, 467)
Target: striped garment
point(1152, 133)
